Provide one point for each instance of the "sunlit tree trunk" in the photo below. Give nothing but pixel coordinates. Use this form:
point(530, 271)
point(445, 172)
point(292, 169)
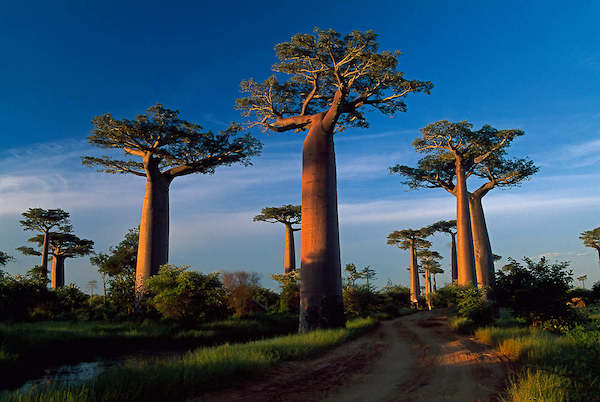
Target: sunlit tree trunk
point(321, 303)
point(434, 283)
point(153, 247)
point(289, 260)
point(428, 288)
point(415, 288)
point(58, 272)
point(44, 263)
point(454, 257)
point(465, 260)
point(484, 259)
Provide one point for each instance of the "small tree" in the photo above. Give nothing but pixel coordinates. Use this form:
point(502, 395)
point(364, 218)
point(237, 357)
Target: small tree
point(289, 298)
point(241, 288)
point(450, 228)
point(412, 240)
point(368, 273)
point(352, 274)
point(43, 221)
point(582, 279)
point(591, 238)
point(332, 80)
point(429, 261)
point(166, 147)
point(289, 215)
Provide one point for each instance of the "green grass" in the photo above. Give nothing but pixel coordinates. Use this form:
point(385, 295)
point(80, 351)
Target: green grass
point(195, 372)
point(555, 367)
point(26, 349)
point(461, 324)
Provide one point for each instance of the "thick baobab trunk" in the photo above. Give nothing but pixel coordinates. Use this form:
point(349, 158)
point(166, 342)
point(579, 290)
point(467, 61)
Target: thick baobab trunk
point(153, 247)
point(434, 283)
point(415, 288)
point(289, 259)
point(44, 263)
point(321, 303)
point(454, 262)
point(428, 288)
point(465, 260)
point(484, 259)
point(58, 272)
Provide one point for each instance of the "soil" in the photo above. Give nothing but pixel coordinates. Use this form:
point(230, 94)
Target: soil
point(411, 358)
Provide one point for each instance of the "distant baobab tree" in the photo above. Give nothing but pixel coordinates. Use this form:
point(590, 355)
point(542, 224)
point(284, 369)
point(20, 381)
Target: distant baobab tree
point(455, 153)
point(412, 240)
point(289, 215)
point(582, 279)
point(428, 260)
point(62, 246)
point(591, 238)
point(331, 81)
point(43, 221)
point(166, 147)
point(450, 228)
point(5, 258)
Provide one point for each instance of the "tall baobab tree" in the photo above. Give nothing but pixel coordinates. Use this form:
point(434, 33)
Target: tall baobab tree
point(582, 278)
point(450, 228)
point(412, 240)
point(591, 238)
point(43, 221)
point(455, 153)
point(331, 81)
point(166, 147)
point(62, 246)
point(289, 215)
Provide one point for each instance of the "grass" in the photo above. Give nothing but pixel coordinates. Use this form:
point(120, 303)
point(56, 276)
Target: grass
point(461, 324)
point(555, 367)
point(195, 372)
point(26, 349)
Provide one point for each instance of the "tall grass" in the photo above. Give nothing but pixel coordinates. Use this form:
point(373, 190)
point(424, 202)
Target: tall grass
point(195, 372)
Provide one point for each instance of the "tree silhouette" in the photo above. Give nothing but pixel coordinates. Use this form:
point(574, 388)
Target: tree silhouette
point(412, 240)
point(455, 153)
point(289, 215)
point(5, 258)
point(166, 147)
point(43, 221)
point(368, 273)
point(591, 238)
point(62, 246)
point(332, 80)
point(450, 228)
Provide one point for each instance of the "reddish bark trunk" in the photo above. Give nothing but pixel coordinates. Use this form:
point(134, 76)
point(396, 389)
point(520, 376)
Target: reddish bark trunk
point(321, 303)
point(153, 247)
point(415, 288)
point(454, 263)
point(289, 259)
point(428, 288)
point(484, 259)
point(58, 272)
point(465, 260)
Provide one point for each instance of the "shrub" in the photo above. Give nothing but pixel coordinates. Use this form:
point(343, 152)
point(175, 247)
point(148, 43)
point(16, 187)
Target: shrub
point(473, 305)
point(289, 298)
point(360, 301)
point(187, 296)
point(20, 295)
point(595, 296)
point(242, 288)
point(447, 296)
point(394, 300)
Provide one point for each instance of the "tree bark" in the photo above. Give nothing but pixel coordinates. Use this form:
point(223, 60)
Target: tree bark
point(321, 303)
point(289, 259)
point(44, 263)
point(428, 288)
point(153, 247)
point(484, 259)
point(466, 259)
point(434, 283)
point(454, 263)
point(415, 288)
point(58, 272)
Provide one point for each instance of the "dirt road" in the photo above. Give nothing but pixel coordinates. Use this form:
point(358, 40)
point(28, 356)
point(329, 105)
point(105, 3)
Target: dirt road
point(412, 358)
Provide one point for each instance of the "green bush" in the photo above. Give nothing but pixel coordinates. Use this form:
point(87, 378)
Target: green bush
point(289, 298)
point(360, 301)
point(473, 305)
point(447, 296)
point(187, 296)
point(395, 299)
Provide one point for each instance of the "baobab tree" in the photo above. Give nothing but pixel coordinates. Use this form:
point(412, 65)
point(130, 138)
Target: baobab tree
point(582, 279)
point(429, 262)
point(166, 147)
point(289, 215)
point(455, 153)
point(412, 240)
point(450, 228)
point(331, 80)
point(43, 221)
point(591, 238)
point(61, 246)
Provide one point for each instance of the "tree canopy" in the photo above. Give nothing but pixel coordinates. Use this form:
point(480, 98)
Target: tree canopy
point(167, 145)
point(444, 226)
point(406, 238)
point(120, 259)
point(591, 238)
point(4, 258)
point(65, 245)
point(328, 72)
point(43, 220)
point(287, 214)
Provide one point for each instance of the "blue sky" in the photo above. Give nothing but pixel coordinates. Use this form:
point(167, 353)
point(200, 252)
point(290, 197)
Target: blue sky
point(534, 66)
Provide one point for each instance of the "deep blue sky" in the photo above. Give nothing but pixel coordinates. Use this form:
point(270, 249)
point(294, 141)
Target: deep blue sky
point(534, 66)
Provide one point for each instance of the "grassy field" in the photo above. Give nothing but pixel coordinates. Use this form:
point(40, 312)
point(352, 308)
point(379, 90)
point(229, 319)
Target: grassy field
point(195, 372)
point(554, 367)
point(26, 349)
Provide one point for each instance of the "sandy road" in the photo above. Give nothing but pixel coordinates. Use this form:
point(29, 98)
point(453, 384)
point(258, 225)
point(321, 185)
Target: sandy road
point(411, 358)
